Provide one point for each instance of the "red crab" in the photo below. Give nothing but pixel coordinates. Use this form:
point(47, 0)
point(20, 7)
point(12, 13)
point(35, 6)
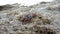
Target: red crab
point(27, 18)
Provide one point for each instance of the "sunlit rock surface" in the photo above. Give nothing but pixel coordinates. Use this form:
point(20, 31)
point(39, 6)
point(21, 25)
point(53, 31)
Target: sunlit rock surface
point(10, 19)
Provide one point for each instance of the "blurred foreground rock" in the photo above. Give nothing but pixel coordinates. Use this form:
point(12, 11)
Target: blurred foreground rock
point(42, 18)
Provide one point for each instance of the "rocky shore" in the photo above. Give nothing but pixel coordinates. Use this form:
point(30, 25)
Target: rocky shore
point(42, 18)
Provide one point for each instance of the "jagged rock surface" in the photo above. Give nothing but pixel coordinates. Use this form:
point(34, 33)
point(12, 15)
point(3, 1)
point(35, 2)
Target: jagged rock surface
point(9, 24)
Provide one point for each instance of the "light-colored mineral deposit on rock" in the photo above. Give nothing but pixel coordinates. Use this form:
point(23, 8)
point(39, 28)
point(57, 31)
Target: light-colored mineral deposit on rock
point(35, 19)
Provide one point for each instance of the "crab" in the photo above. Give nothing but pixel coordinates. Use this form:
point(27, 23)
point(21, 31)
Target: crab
point(27, 18)
point(33, 17)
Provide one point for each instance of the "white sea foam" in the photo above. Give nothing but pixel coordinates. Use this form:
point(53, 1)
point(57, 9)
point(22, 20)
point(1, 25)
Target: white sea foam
point(22, 2)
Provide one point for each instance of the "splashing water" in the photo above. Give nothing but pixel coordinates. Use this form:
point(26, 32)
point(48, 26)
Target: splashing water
point(22, 2)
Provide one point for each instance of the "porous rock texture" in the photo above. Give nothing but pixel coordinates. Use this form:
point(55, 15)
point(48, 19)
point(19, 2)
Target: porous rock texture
point(37, 19)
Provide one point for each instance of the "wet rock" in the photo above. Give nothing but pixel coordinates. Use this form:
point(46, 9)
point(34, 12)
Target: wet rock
point(46, 21)
point(44, 30)
point(33, 17)
point(26, 18)
point(44, 2)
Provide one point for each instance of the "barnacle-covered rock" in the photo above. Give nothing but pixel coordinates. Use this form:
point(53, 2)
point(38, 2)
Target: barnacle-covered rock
point(27, 17)
point(33, 17)
point(46, 21)
point(44, 30)
point(23, 32)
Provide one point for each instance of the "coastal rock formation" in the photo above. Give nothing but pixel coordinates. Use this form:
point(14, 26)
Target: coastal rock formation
point(35, 19)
